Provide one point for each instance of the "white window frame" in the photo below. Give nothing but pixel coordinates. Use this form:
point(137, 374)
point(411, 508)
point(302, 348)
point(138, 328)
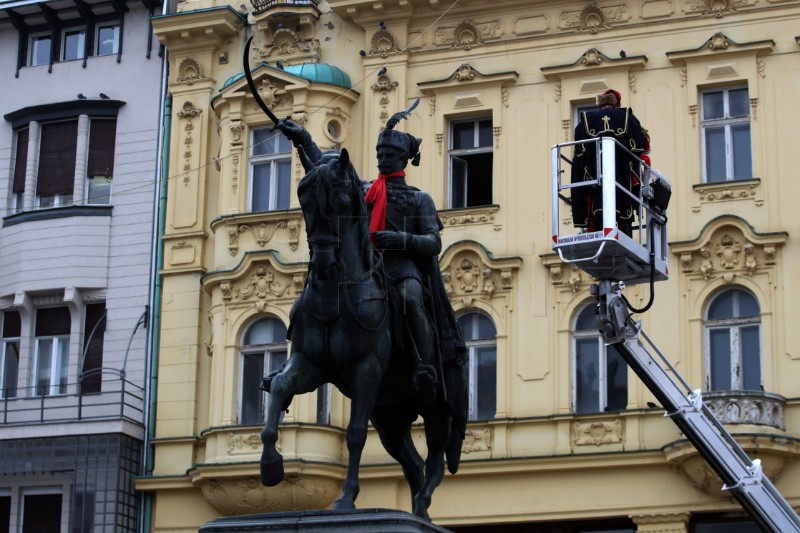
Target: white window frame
point(273, 160)
point(54, 387)
point(33, 39)
point(734, 326)
point(81, 43)
point(725, 122)
point(59, 200)
point(602, 361)
point(473, 347)
point(453, 155)
point(4, 343)
point(116, 27)
point(272, 361)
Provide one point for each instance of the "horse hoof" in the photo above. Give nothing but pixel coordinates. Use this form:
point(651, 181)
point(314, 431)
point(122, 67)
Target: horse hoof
point(343, 505)
point(271, 470)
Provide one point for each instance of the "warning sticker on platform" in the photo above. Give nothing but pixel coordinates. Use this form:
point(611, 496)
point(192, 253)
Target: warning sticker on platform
point(581, 237)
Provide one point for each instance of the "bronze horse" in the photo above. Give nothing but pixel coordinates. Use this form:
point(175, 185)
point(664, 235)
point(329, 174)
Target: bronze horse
point(341, 333)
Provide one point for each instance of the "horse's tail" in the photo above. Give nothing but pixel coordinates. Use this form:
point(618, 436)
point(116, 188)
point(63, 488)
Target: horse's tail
point(453, 449)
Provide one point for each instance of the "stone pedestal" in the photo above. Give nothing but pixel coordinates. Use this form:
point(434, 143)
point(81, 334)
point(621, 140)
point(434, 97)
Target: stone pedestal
point(356, 521)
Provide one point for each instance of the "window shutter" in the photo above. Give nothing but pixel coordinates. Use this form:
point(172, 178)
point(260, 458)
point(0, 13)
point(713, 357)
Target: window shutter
point(12, 326)
point(93, 346)
point(57, 158)
point(102, 138)
point(52, 321)
point(21, 162)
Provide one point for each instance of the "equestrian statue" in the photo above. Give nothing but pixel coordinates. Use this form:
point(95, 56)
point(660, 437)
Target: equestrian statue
point(373, 318)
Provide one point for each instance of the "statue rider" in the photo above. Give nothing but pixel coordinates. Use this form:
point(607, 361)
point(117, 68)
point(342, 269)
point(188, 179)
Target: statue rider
point(405, 226)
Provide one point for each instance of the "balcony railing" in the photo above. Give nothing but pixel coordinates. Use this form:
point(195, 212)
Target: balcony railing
point(262, 5)
point(118, 399)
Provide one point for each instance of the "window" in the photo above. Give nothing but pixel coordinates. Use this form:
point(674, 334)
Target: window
point(726, 135)
point(270, 168)
point(470, 163)
point(93, 336)
point(52, 351)
point(57, 154)
point(600, 373)
point(9, 354)
point(5, 511)
point(107, 40)
point(41, 512)
point(263, 351)
point(480, 336)
point(724, 525)
point(324, 404)
point(56, 177)
point(74, 45)
point(40, 49)
point(733, 342)
point(100, 164)
point(20, 169)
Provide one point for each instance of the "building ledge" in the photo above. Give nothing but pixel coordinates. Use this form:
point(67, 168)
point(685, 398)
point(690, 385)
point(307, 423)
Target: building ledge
point(58, 212)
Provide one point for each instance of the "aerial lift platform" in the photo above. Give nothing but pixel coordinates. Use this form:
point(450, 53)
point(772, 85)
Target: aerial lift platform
point(616, 259)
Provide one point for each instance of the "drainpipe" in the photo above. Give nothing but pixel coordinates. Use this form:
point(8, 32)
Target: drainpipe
point(157, 263)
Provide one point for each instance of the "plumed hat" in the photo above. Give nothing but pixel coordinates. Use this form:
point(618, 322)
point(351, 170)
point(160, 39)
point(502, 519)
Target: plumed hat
point(610, 98)
point(405, 142)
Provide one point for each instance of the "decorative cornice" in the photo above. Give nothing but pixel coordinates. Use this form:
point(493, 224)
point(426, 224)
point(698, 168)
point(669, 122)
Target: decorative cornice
point(467, 74)
point(719, 44)
point(594, 58)
point(189, 29)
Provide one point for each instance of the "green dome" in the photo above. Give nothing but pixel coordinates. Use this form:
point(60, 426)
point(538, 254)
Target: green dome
point(321, 73)
point(313, 72)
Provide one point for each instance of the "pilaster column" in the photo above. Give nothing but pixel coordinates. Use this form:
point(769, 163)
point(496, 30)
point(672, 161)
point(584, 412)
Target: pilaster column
point(32, 165)
point(81, 157)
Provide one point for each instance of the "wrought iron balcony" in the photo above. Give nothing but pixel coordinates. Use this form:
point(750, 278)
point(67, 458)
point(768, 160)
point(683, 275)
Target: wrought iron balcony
point(262, 5)
point(118, 399)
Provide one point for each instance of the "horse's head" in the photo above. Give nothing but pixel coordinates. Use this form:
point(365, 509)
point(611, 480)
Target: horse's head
point(331, 197)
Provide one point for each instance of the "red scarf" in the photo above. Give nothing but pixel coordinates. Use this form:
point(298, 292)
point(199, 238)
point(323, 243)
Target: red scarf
point(376, 195)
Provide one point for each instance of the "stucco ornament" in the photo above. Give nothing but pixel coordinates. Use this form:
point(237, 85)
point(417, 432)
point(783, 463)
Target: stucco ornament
point(383, 43)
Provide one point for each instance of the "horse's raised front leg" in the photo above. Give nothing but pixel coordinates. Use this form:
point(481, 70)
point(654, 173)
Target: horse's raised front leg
point(365, 381)
point(298, 377)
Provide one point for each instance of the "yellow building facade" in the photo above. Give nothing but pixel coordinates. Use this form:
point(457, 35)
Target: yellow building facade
point(561, 438)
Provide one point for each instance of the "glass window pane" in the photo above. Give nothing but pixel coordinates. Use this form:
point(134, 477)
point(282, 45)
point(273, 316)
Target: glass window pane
point(63, 359)
point(720, 352)
point(284, 184)
point(713, 105)
point(284, 144)
point(479, 178)
point(458, 183)
point(715, 154)
point(264, 141)
point(485, 132)
point(99, 191)
point(727, 526)
point(738, 103)
point(265, 331)
point(40, 54)
point(276, 360)
point(722, 306)
point(587, 319)
point(463, 135)
point(261, 182)
point(486, 369)
point(323, 404)
point(10, 369)
point(252, 395)
point(751, 358)
point(44, 361)
point(742, 160)
point(73, 45)
point(616, 380)
point(587, 376)
point(486, 329)
point(107, 40)
point(747, 305)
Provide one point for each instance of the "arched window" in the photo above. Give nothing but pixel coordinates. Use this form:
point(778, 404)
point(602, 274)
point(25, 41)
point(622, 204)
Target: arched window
point(263, 351)
point(480, 335)
point(600, 375)
point(733, 342)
